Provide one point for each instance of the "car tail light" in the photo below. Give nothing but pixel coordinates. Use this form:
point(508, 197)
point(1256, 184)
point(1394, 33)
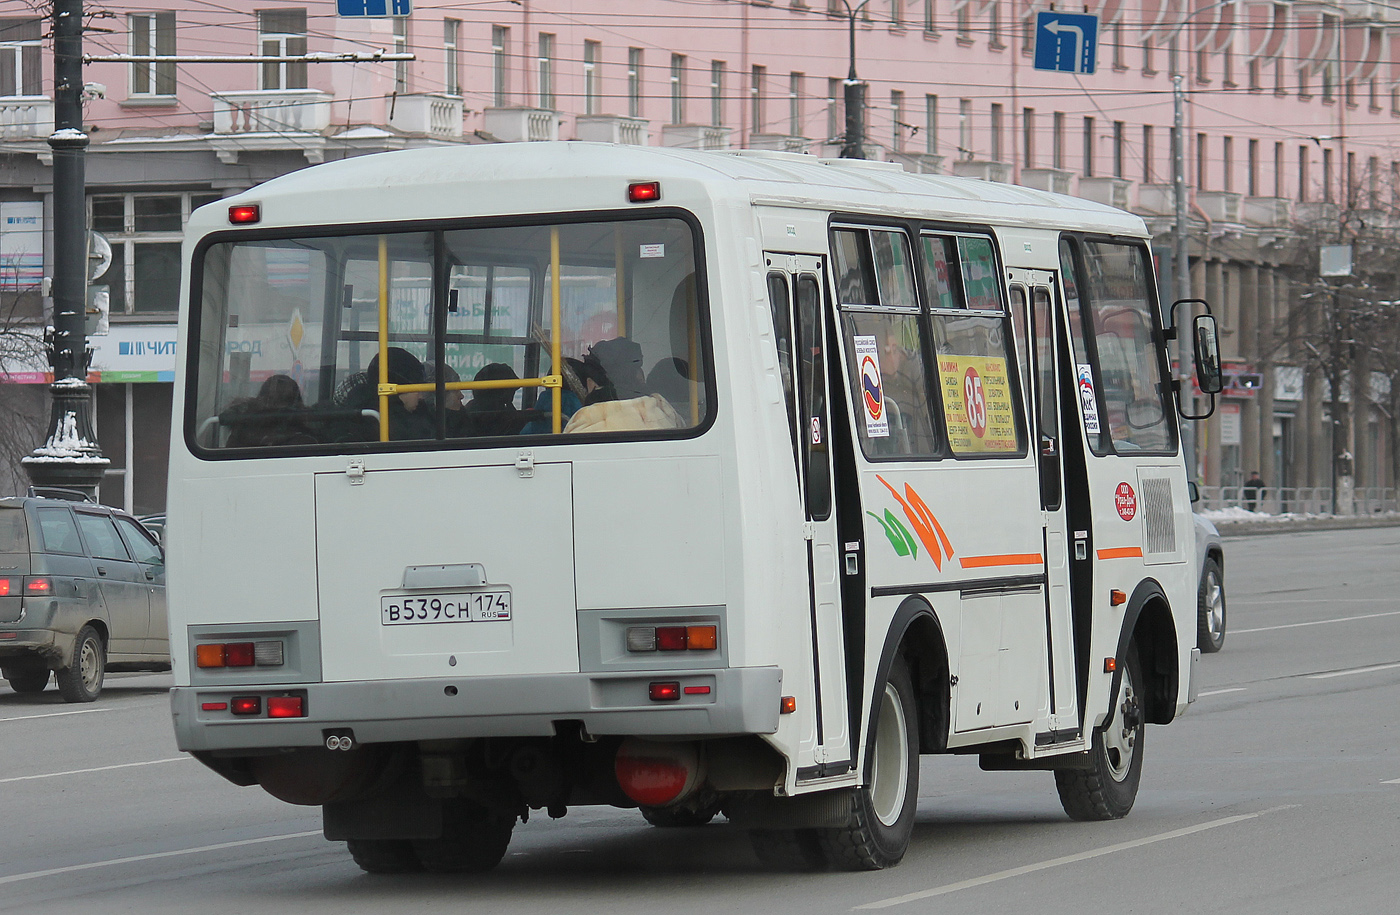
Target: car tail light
point(38, 585)
point(246, 705)
point(8, 586)
point(286, 707)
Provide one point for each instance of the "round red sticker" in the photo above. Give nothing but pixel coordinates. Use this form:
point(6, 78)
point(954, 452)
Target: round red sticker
point(1125, 500)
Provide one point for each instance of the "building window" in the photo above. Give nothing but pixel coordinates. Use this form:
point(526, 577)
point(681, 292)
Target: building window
point(282, 33)
point(1253, 69)
point(401, 47)
point(930, 22)
point(1329, 84)
point(1302, 174)
point(896, 14)
point(151, 33)
point(145, 232)
point(1349, 92)
point(1147, 68)
point(20, 56)
point(757, 92)
point(500, 66)
point(1119, 144)
point(634, 82)
point(1203, 65)
point(545, 62)
point(964, 20)
point(1088, 147)
point(1120, 49)
point(1373, 183)
point(1280, 88)
point(1148, 152)
point(1028, 137)
point(1304, 92)
point(677, 88)
point(1057, 140)
point(994, 26)
point(795, 128)
point(1278, 169)
point(1251, 178)
point(1373, 94)
point(1351, 201)
point(1227, 163)
point(965, 128)
point(1227, 60)
point(897, 120)
point(931, 124)
point(1202, 152)
point(835, 105)
point(997, 150)
point(1326, 175)
point(452, 72)
point(716, 93)
point(592, 55)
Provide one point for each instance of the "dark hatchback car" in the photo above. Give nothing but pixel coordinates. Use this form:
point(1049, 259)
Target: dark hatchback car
point(82, 592)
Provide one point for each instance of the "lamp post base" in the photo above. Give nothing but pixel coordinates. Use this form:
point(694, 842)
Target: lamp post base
point(70, 457)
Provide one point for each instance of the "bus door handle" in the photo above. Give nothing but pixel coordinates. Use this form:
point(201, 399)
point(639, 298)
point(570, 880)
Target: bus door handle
point(1049, 447)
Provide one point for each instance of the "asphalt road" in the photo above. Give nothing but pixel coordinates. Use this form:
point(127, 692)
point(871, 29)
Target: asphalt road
point(1279, 792)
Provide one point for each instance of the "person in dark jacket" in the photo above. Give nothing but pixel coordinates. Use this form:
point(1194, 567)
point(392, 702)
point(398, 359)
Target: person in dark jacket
point(1253, 490)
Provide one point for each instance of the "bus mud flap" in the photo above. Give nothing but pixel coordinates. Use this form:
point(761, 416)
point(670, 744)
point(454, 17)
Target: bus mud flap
point(821, 809)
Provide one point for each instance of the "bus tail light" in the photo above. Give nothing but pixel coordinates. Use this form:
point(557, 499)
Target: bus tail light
point(244, 214)
point(269, 653)
point(286, 707)
point(245, 705)
point(670, 638)
point(664, 691)
point(673, 638)
point(657, 774)
point(644, 192)
point(239, 654)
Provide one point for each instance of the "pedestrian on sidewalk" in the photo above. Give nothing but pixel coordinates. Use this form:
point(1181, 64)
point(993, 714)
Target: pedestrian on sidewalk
point(1253, 490)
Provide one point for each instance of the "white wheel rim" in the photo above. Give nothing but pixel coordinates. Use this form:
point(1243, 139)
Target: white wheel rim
point(1120, 734)
point(90, 669)
point(1215, 606)
point(889, 767)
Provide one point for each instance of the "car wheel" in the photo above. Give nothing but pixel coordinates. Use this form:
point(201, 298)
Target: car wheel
point(1210, 608)
point(384, 856)
point(81, 680)
point(28, 681)
point(1106, 790)
point(884, 807)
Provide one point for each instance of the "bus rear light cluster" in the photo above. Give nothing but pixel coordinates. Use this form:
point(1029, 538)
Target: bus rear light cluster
point(239, 654)
point(672, 638)
point(253, 706)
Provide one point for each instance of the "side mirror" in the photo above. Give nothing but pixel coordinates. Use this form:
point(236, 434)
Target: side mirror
point(1206, 345)
point(1193, 491)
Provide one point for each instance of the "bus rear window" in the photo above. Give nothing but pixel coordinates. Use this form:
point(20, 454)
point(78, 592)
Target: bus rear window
point(456, 336)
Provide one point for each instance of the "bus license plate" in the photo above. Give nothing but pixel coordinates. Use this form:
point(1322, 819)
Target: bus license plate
point(445, 607)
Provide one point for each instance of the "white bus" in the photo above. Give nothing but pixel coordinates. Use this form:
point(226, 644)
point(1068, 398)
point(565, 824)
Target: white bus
point(512, 478)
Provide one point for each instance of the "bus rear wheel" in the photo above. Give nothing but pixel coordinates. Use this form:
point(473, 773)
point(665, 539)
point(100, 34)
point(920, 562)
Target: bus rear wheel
point(883, 819)
point(1106, 790)
point(384, 856)
point(473, 841)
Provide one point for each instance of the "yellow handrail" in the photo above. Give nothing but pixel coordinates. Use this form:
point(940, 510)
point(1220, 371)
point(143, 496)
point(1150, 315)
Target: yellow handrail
point(556, 419)
point(383, 337)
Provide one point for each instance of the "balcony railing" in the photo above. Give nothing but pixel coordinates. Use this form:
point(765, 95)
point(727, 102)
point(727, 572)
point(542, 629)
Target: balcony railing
point(1112, 191)
point(26, 117)
point(522, 125)
point(918, 163)
point(695, 136)
point(434, 115)
point(271, 111)
point(778, 141)
point(999, 172)
point(1220, 206)
point(611, 128)
point(1054, 180)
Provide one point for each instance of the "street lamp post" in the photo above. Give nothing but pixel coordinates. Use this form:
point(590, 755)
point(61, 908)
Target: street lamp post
point(70, 456)
point(1182, 268)
point(854, 145)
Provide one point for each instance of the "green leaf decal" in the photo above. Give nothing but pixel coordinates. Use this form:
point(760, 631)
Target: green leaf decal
point(898, 534)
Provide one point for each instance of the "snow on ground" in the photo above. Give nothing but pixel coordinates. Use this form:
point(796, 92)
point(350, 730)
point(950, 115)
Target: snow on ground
point(1235, 515)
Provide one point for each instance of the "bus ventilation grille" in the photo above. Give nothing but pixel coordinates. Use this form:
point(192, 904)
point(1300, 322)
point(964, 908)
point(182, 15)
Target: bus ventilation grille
point(1157, 515)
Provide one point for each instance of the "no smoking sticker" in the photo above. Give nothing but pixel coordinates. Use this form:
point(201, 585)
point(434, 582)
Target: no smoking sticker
point(1125, 500)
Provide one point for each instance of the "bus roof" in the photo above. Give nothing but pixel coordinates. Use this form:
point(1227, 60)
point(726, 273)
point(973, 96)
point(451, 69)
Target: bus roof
point(508, 178)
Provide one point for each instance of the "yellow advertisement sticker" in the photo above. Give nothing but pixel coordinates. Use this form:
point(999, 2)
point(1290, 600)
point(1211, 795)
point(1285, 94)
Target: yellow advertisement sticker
point(977, 404)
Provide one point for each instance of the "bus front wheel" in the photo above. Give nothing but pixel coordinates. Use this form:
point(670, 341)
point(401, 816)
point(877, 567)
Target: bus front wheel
point(883, 820)
point(1106, 790)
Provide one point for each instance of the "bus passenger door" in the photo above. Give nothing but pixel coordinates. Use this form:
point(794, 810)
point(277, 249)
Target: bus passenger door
point(798, 278)
point(1032, 302)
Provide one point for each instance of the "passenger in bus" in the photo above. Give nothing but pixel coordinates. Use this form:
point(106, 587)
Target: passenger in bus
point(492, 411)
point(621, 403)
point(901, 376)
point(577, 385)
point(409, 418)
point(670, 378)
point(276, 416)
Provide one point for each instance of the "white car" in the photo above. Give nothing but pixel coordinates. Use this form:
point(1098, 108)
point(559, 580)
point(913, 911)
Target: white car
point(1210, 595)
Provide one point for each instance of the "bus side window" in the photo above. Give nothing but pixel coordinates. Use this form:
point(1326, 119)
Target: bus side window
point(780, 301)
point(812, 377)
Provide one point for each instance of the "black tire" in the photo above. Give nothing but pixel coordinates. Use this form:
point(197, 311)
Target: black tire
point(473, 841)
point(676, 817)
point(787, 849)
point(883, 820)
point(81, 680)
point(1106, 790)
point(28, 681)
point(384, 856)
point(1210, 608)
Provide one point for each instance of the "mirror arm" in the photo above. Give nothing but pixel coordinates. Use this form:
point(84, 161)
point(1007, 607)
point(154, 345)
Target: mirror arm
point(1184, 415)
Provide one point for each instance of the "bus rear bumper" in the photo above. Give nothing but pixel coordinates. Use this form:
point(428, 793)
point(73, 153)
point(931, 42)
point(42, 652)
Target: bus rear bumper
point(740, 700)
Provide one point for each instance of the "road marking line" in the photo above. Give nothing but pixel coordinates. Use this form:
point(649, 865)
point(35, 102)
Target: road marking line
point(1393, 781)
point(149, 762)
point(81, 711)
point(1348, 673)
point(1217, 692)
point(1067, 859)
point(1340, 619)
point(33, 875)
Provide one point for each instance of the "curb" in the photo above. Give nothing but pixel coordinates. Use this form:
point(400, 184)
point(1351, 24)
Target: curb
point(1254, 528)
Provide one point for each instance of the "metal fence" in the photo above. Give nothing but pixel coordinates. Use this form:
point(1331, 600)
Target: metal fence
point(1305, 500)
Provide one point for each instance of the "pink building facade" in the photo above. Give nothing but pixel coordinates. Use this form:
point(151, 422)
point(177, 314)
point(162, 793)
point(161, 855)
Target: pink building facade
point(1292, 115)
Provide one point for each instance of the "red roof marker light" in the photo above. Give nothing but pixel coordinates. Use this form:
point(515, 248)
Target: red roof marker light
point(644, 192)
point(245, 214)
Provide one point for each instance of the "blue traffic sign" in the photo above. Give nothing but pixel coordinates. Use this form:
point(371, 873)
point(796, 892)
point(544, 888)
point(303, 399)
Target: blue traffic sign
point(366, 8)
point(1064, 41)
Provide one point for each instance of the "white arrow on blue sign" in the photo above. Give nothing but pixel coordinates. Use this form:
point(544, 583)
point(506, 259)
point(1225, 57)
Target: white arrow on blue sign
point(367, 8)
point(1064, 41)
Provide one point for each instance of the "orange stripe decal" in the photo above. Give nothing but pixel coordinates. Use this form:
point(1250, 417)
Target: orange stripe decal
point(1121, 552)
point(1009, 559)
